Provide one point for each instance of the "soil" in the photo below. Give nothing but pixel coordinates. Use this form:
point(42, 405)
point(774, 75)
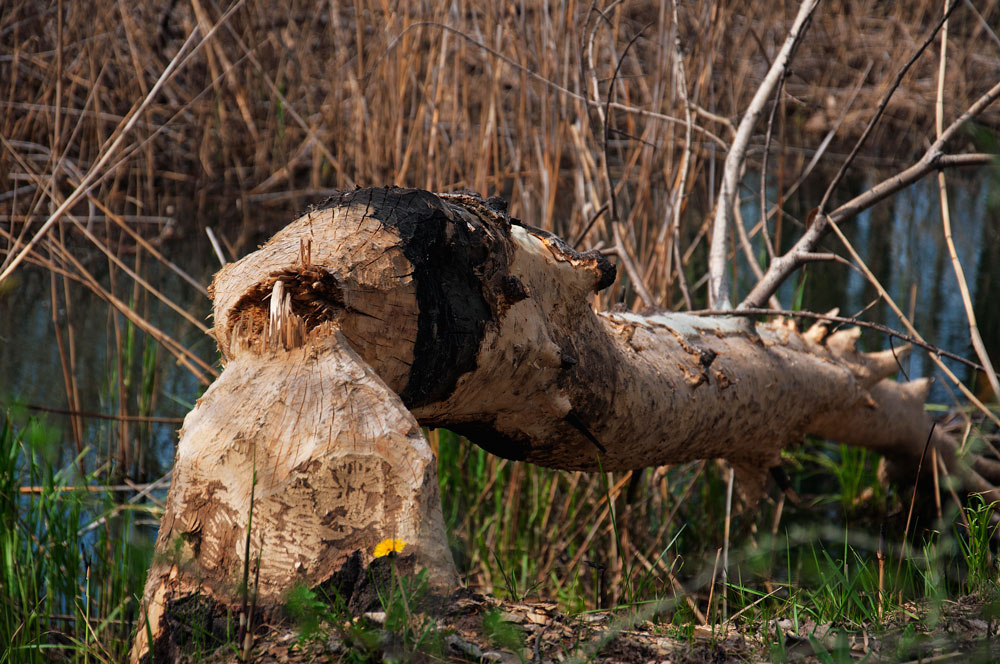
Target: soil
point(965, 629)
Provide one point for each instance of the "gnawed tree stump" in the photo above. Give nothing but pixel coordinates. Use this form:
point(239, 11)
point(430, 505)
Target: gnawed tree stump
point(388, 307)
point(311, 442)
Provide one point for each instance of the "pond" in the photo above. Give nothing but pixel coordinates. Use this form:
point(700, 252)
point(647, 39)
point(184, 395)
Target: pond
point(902, 241)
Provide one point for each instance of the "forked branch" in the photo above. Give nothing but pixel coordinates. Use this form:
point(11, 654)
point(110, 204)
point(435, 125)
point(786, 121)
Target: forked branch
point(933, 159)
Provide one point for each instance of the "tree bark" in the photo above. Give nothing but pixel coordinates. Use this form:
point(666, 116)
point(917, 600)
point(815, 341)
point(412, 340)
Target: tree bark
point(483, 325)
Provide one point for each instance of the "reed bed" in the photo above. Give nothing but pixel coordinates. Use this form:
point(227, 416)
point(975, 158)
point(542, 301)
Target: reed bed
point(280, 105)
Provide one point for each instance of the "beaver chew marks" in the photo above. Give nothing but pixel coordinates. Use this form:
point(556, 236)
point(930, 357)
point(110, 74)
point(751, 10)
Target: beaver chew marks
point(314, 294)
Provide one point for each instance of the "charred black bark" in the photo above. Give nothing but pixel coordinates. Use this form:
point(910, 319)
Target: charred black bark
point(446, 257)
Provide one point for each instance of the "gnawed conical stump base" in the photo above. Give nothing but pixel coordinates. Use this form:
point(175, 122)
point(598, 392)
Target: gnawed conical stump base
point(326, 459)
point(389, 307)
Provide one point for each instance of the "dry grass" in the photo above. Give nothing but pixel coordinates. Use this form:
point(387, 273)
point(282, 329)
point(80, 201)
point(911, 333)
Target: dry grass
point(284, 103)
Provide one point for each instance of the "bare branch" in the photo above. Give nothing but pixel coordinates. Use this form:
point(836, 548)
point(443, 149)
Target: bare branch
point(715, 117)
point(827, 258)
point(784, 265)
point(718, 286)
point(905, 178)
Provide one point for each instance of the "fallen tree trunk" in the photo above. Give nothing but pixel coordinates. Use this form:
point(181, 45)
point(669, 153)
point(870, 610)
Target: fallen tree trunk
point(482, 325)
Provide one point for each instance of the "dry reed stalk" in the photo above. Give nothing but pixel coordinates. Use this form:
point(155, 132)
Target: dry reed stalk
point(553, 34)
point(956, 264)
point(82, 228)
point(17, 254)
point(196, 365)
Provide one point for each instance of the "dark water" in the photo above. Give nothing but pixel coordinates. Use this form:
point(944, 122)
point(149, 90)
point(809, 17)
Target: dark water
point(32, 371)
point(901, 240)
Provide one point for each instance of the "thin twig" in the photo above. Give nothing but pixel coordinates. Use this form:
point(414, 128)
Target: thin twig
point(586, 228)
point(881, 109)
point(677, 196)
point(982, 21)
point(621, 249)
point(825, 143)
point(909, 326)
point(757, 601)
point(131, 487)
point(913, 496)
point(162, 482)
point(845, 320)
point(763, 171)
point(105, 416)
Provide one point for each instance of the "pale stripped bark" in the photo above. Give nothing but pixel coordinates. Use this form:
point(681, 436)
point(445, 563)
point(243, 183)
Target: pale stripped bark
point(485, 326)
